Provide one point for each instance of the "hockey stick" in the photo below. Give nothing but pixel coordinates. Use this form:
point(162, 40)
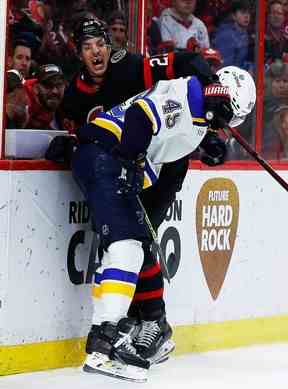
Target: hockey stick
point(257, 157)
point(154, 236)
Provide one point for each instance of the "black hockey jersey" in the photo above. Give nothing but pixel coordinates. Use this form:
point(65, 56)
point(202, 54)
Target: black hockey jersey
point(127, 75)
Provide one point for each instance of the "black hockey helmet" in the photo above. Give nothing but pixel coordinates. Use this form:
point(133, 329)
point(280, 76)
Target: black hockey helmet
point(89, 28)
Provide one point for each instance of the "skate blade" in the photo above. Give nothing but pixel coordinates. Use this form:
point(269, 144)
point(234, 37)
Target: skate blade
point(163, 353)
point(105, 366)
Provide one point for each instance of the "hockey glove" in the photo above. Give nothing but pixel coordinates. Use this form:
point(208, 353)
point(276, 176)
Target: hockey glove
point(213, 149)
point(217, 105)
point(61, 149)
point(131, 179)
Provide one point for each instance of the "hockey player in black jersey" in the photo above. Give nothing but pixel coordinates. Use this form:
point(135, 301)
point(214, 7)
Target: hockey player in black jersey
point(106, 79)
point(109, 77)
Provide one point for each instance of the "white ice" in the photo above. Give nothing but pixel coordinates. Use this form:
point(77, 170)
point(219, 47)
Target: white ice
point(246, 368)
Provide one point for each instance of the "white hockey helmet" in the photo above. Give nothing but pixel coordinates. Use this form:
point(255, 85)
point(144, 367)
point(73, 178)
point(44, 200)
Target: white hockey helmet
point(242, 91)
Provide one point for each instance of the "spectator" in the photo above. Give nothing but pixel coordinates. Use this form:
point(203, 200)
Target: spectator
point(153, 31)
point(45, 93)
point(178, 24)
point(276, 88)
point(20, 22)
point(158, 6)
point(276, 95)
point(279, 79)
point(49, 46)
point(275, 143)
point(285, 9)
point(11, 18)
point(21, 58)
point(231, 37)
point(154, 39)
point(277, 39)
point(37, 10)
point(212, 12)
point(17, 115)
point(117, 28)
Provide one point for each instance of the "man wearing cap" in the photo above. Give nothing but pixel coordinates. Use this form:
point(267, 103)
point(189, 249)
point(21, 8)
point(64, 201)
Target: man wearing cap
point(45, 94)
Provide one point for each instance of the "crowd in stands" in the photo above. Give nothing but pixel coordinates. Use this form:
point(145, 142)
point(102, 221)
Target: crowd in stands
point(42, 56)
point(228, 30)
point(41, 49)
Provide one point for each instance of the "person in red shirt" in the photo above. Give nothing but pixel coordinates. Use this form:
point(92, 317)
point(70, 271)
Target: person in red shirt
point(45, 94)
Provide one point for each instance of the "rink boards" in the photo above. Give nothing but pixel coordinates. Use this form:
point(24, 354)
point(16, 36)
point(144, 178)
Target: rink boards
point(224, 239)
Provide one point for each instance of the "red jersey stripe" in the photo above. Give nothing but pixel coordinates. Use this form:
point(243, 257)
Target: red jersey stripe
point(148, 295)
point(150, 272)
point(147, 74)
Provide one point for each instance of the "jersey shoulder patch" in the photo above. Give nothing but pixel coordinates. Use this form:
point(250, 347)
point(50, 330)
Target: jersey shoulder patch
point(120, 54)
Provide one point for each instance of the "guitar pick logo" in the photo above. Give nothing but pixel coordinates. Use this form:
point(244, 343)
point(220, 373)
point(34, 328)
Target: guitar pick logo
point(217, 212)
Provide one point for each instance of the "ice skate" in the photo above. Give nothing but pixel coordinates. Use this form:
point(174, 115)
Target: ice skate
point(154, 341)
point(110, 352)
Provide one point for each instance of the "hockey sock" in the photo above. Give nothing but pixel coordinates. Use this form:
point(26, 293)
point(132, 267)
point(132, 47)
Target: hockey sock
point(148, 297)
point(116, 286)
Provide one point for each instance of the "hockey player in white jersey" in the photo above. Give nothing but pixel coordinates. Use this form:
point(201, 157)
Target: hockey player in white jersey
point(121, 153)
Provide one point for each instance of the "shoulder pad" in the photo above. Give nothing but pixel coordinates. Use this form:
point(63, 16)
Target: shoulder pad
point(120, 54)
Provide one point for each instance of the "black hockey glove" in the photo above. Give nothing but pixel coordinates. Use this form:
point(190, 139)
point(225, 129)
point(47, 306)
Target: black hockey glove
point(131, 179)
point(217, 105)
point(213, 149)
point(61, 149)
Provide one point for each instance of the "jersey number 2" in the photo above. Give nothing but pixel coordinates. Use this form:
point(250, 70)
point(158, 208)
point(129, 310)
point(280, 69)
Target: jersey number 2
point(159, 61)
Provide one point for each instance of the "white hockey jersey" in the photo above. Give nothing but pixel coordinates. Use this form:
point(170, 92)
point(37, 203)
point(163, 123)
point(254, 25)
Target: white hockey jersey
point(175, 108)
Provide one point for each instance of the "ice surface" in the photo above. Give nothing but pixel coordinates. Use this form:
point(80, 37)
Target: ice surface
point(246, 368)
